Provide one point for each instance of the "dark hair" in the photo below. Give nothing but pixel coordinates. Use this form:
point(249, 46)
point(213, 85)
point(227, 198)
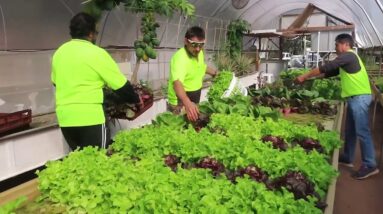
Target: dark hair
point(345, 38)
point(195, 31)
point(81, 25)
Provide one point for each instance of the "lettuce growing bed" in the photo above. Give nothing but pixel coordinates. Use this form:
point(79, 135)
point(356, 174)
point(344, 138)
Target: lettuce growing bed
point(226, 167)
point(316, 96)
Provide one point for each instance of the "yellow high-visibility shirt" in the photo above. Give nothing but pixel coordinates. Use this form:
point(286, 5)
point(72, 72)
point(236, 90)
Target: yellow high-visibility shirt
point(188, 70)
point(80, 70)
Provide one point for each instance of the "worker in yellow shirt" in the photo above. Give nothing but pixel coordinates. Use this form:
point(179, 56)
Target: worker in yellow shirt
point(80, 70)
point(187, 69)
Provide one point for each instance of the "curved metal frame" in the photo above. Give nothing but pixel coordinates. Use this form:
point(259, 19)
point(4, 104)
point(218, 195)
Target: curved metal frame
point(370, 21)
point(352, 11)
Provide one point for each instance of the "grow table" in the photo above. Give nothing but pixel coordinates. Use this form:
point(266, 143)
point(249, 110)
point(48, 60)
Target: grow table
point(30, 189)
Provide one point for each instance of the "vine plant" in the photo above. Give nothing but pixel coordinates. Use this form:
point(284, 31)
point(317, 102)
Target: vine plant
point(231, 58)
point(235, 31)
point(144, 46)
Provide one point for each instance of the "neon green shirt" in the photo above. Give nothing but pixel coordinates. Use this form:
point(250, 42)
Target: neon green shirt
point(80, 70)
point(188, 70)
point(355, 83)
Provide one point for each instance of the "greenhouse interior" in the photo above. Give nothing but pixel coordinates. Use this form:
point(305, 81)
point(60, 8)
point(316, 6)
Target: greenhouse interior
point(191, 106)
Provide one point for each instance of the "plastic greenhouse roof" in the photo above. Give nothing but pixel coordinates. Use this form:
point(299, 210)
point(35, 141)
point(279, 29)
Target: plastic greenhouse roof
point(366, 15)
point(42, 24)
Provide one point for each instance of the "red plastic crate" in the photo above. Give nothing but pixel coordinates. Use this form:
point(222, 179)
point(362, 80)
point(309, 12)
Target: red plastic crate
point(116, 109)
point(15, 120)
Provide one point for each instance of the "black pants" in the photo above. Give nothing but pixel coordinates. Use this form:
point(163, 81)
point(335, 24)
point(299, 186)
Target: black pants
point(194, 96)
point(82, 136)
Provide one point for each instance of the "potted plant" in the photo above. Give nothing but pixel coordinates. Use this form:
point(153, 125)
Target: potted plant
point(286, 109)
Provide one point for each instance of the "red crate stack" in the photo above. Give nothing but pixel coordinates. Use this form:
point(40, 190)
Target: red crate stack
point(15, 120)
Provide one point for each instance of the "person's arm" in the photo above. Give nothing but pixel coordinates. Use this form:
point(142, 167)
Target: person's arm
point(109, 71)
point(190, 107)
point(127, 93)
point(212, 72)
point(347, 60)
point(329, 73)
point(313, 73)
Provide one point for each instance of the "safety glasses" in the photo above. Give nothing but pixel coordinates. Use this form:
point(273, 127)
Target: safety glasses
point(195, 44)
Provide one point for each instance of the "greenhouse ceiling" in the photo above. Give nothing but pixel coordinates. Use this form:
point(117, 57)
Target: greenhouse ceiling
point(40, 24)
point(366, 15)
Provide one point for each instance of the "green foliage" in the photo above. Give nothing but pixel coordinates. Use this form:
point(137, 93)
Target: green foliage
point(93, 9)
point(135, 180)
point(148, 23)
point(369, 61)
point(150, 52)
point(148, 29)
point(163, 7)
point(235, 31)
point(147, 38)
point(10, 207)
point(329, 89)
point(317, 96)
point(292, 74)
point(140, 52)
point(96, 7)
point(237, 104)
point(239, 64)
point(90, 182)
point(242, 65)
point(220, 84)
point(378, 81)
point(239, 145)
point(155, 42)
point(139, 44)
point(223, 62)
point(169, 119)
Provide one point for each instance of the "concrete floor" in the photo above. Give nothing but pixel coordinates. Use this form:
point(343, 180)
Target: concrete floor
point(362, 196)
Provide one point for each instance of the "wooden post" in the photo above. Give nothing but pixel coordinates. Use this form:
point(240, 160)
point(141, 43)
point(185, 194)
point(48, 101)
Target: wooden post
point(380, 62)
point(280, 47)
point(257, 60)
point(300, 20)
point(135, 71)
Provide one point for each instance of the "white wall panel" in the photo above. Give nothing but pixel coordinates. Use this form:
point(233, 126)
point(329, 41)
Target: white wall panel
point(26, 152)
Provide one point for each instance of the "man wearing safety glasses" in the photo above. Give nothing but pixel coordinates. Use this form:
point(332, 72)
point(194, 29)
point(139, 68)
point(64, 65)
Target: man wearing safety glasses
point(187, 70)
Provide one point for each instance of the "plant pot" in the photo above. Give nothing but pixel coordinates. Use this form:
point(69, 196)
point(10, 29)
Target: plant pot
point(286, 111)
